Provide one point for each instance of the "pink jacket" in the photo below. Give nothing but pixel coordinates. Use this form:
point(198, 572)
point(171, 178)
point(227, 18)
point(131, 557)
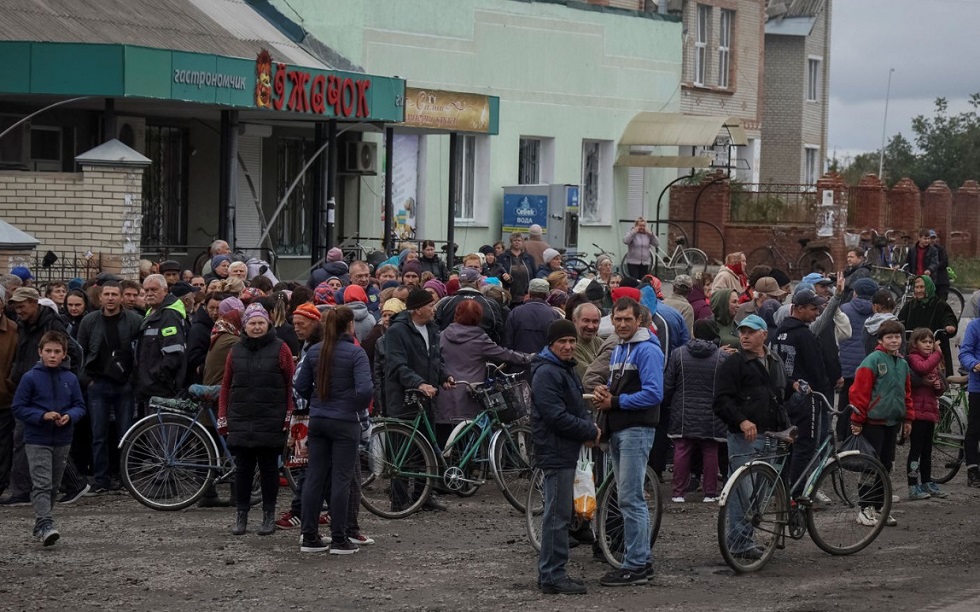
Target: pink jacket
point(925, 404)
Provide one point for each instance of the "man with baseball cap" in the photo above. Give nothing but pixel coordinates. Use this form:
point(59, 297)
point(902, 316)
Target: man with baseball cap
point(526, 329)
point(750, 392)
point(801, 352)
point(681, 286)
point(766, 288)
point(413, 360)
point(560, 425)
point(24, 274)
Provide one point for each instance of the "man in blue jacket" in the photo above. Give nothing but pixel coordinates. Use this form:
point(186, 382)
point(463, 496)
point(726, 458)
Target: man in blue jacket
point(560, 426)
point(630, 406)
point(970, 360)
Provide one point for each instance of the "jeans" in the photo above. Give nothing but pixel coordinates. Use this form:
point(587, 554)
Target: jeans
point(333, 453)
point(105, 396)
point(683, 451)
point(6, 446)
point(812, 418)
point(20, 472)
point(740, 452)
point(245, 461)
point(47, 465)
point(558, 503)
point(883, 439)
point(629, 450)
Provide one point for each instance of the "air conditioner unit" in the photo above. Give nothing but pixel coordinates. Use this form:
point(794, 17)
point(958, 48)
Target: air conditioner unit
point(362, 157)
point(131, 131)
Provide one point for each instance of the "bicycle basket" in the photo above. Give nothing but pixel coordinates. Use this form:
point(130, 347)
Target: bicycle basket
point(517, 398)
point(491, 399)
point(181, 406)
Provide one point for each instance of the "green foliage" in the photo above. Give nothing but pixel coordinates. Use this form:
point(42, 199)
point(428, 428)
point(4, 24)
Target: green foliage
point(967, 272)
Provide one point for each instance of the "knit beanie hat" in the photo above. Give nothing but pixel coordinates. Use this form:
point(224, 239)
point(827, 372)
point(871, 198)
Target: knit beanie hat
point(217, 259)
point(355, 293)
point(307, 310)
point(418, 298)
point(437, 286)
point(393, 305)
point(865, 287)
point(255, 310)
point(335, 254)
point(561, 328)
point(549, 254)
point(229, 304)
point(594, 292)
point(412, 266)
point(323, 294)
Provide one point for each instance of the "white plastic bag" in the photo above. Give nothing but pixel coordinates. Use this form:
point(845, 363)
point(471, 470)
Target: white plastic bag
point(583, 487)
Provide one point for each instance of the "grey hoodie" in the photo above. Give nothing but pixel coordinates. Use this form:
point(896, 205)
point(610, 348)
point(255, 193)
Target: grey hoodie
point(363, 321)
point(870, 336)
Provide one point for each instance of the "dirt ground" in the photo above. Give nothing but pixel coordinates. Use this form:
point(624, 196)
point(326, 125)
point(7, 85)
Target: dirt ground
point(118, 555)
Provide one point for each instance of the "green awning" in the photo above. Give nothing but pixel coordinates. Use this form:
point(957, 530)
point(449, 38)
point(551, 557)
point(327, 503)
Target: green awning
point(127, 71)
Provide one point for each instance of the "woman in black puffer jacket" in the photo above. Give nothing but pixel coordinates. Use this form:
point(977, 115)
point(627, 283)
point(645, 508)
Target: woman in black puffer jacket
point(689, 391)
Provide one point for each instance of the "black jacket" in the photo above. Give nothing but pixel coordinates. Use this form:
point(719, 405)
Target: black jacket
point(752, 389)
point(493, 319)
point(526, 329)
point(801, 354)
point(407, 363)
point(507, 261)
point(436, 266)
point(257, 399)
point(161, 357)
point(92, 338)
point(559, 421)
point(28, 338)
point(198, 343)
point(690, 383)
point(931, 260)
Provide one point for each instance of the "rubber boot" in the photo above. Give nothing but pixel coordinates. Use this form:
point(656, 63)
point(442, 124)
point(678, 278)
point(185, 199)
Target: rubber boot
point(268, 526)
point(241, 523)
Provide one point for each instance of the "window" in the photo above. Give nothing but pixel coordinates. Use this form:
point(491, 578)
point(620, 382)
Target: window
point(292, 227)
point(465, 197)
point(165, 187)
point(811, 166)
point(529, 162)
point(45, 144)
point(595, 202)
point(701, 44)
point(725, 48)
point(813, 79)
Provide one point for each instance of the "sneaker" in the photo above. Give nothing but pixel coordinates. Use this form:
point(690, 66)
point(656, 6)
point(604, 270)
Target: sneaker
point(49, 535)
point(677, 500)
point(312, 545)
point(935, 491)
point(710, 499)
point(896, 498)
point(565, 587)
point(287, 520)
point(648, 570)
point(71, 498)
point(343, 548)
point(96, 491)
point(916, 492)
point(749, 554)
point(360, 539)
point(890, 521)
point(823, 498)
point(16, 500)
point(867, 516)
point(625, 577)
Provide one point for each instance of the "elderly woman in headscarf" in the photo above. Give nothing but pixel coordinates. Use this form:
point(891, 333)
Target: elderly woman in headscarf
point(225, 334)
point(928, 310)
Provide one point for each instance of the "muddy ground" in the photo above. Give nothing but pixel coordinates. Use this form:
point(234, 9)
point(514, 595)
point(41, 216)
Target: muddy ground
point(118, 555)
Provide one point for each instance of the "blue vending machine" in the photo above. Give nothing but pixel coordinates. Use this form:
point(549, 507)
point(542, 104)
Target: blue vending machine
point(553, 207)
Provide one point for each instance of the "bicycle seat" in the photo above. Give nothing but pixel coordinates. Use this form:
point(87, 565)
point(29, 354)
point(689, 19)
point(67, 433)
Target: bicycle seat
point(204, 393)
point(788, 435)
point(957, 380)
point(680, 240)
point(803, 242)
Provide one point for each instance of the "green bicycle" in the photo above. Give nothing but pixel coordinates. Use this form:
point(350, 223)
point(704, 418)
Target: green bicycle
point(947, 437)
point(402, 462)
point(836, 490)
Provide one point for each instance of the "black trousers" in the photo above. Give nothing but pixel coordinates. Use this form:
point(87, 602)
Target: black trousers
point(6, 445)
point(972, 437)
point(333, 454)
point(245, 461)
point(919, 464)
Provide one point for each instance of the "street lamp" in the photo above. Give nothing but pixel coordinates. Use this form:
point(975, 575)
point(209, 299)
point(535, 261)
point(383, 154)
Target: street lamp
point(884, 124)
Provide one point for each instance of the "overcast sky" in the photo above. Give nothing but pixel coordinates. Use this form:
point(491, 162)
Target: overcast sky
point(934, 47)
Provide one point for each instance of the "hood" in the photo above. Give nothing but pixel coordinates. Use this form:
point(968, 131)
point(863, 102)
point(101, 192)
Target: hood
point(696, 294)
point(360, 310)
point(335, 268)
point(702, 348)
point(791, 323)
point(875, 321)
point(642, 335)
point(930, 288)
point(648, 297)
point(768, 312)
point(545, 357)
point(39, 366)
point(457, 333)
point(861, 306)
point(201, 316)
point(719, 306)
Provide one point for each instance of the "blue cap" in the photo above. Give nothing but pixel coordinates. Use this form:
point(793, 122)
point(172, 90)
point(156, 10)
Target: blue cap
point(815, 278)
point(754, 322)
point(22, 272)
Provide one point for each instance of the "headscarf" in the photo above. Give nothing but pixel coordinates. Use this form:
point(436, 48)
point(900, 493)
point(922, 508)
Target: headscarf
point(930, 288)
point(228, 323)
point(229, 304)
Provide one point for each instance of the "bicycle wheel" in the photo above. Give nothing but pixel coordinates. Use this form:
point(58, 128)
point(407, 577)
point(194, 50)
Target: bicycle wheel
point(534, 508)
point(167, 464)
point(947, 443)
point(576, 267)
point(691, 262)
point(851, 482)
point(814, 260)
point(512, 457)
point(752, 517)
point(609, 518)
point(466, 482)
point(762, 256)
point(956, 302)
point(397, 468)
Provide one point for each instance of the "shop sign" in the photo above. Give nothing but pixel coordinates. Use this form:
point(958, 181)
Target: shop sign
point(522, 211)
point(281, 87)
point(447, 110)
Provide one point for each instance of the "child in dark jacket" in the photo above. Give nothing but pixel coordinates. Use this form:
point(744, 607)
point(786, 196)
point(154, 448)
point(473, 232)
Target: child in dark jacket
point(48, 402)
point(927, 362)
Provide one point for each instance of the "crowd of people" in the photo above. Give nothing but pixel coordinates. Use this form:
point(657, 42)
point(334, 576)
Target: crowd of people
point(704, 372)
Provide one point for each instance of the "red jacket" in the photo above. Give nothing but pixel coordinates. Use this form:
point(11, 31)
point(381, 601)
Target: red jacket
point(925, 403)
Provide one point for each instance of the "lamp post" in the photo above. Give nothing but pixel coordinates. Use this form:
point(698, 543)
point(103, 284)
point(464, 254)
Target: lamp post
point(884, 124)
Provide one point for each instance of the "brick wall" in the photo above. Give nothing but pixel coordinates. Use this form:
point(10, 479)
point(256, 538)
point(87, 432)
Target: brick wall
point(904, 210)
point(99, 209)
point(937, 213)
point(966, 221)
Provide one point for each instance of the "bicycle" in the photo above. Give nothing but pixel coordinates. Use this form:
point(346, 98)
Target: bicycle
point(168, 459)
point(608, 518)
point(901, 283)
point(812, 258)
point(682, 260)
point(950, 431)
point(402, 461)
point(578, 267)
point(756, 513)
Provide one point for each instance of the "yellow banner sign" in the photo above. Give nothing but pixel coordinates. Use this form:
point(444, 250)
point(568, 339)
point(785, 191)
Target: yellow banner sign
point(447, 110)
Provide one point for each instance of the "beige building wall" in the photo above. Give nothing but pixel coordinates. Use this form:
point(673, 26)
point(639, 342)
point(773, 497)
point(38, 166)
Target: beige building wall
point(785, 90)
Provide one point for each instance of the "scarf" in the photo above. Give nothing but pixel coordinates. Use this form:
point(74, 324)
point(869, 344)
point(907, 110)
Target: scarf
point(230, 323)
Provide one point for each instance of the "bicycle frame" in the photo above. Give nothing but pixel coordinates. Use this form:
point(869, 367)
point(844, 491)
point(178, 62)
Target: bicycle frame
point(192, 421)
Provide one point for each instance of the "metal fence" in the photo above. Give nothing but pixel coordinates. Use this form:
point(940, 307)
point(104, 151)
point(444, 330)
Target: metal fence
point(67, 266)
point(774, 203)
